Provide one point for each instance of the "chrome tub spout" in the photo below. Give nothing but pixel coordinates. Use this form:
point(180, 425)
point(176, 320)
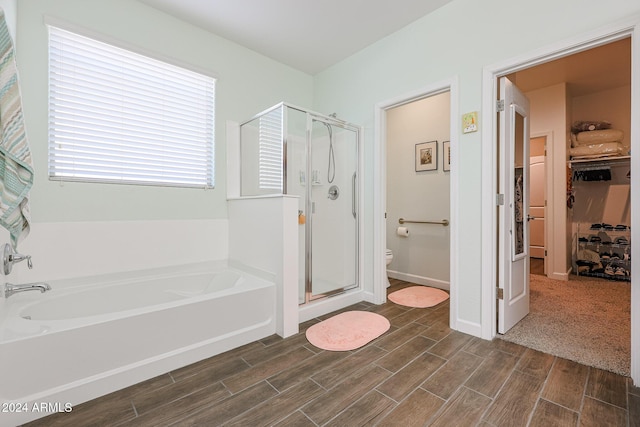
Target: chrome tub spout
point(10, 289)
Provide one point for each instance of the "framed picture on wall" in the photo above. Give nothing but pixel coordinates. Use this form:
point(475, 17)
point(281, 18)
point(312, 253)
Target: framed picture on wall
point(427, 156)
point(446, 156)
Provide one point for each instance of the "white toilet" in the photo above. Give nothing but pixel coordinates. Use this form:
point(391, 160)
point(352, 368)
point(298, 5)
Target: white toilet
point(389, 256)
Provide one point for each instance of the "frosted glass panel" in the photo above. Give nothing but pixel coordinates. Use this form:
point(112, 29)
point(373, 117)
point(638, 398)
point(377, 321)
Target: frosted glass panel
point(261, 154)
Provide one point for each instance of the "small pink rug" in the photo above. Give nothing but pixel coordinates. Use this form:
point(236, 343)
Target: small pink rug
point(347, 331)
point(418, 296)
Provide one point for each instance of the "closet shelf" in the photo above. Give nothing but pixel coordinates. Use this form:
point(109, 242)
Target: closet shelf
point(601, 161)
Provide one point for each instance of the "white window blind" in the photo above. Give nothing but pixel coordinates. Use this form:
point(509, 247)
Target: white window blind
point(120, 117)
point(270, 147)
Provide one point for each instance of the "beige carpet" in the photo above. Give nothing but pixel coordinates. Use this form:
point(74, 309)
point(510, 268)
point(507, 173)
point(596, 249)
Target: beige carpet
point(586, 320)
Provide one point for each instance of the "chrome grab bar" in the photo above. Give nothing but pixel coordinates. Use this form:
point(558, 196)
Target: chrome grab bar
point(444, 222)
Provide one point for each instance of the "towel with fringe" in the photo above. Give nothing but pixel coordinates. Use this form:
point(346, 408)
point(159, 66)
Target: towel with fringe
point(16, 169)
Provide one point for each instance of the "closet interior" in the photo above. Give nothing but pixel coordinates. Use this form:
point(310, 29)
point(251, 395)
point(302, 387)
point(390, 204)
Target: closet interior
point(580, 127)
point(601, 217)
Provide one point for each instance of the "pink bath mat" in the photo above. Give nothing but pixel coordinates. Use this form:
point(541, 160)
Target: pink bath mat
point(418, 296)
point(347, 331)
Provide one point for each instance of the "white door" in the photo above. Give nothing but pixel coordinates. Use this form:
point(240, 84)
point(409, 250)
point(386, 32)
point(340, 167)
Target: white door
point(513, 227)
point(536, 206)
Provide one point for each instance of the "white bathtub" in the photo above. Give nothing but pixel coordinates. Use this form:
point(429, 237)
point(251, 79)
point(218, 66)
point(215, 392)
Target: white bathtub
point(89, 337)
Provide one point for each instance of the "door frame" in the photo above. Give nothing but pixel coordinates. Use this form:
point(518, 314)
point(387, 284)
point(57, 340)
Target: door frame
point(379, 175)
point(623, 29)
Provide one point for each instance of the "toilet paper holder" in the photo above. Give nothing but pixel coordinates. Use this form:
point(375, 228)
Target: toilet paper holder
point(402, 232)
point(444, 222)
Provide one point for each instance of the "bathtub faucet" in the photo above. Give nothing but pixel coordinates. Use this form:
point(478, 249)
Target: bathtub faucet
point(11, 257)
point(10, 289)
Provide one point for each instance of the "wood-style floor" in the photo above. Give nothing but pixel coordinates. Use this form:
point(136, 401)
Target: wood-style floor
point(419, 373)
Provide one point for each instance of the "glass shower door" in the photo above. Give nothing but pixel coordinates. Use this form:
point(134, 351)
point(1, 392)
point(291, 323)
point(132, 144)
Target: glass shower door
point(332, 196)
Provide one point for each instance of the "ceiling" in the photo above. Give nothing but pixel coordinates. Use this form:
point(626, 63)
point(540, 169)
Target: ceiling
point(308, 35)
point(311, 35)
point(594, 70)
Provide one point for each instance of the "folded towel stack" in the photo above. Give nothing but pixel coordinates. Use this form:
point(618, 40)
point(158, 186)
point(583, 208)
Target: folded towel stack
point(597, 150)
point(596, 139)
point(16, 169)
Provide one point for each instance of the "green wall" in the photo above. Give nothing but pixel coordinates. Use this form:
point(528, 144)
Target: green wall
point(459, 39)
point(247, 84)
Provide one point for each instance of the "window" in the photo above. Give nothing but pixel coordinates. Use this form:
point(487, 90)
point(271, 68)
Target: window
point(270, 150)
point(119, 117)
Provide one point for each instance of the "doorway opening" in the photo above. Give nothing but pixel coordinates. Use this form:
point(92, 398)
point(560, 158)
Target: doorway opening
point(383, 222)
point(418, 172)
point(564, 92)
point(537, 203)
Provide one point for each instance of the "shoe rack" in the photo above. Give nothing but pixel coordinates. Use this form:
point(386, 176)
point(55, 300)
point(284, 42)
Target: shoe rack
point(603, 250)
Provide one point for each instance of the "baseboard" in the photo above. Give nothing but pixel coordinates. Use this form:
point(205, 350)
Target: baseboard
point(559, 276)
point(329, 304)
point(419, 280)
point(467, 327)
point(369, 297)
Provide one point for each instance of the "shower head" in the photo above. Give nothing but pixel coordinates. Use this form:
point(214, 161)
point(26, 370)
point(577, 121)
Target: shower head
point(335, 117)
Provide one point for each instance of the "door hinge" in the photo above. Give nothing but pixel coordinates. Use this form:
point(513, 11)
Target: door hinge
point(545, 252)
point(500, 293)
point(499, 199)
point(500, 105)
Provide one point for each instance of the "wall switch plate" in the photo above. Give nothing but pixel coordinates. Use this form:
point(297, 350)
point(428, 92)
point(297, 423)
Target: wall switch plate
point(470, 122)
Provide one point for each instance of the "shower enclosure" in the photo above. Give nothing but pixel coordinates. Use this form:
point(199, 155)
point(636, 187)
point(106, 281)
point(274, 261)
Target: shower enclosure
point(293, 151)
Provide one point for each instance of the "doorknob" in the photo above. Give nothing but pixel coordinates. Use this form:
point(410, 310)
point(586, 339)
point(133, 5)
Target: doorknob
point(529, 217)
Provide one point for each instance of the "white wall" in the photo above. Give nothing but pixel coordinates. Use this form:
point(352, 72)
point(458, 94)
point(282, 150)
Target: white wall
point(63, 250)
point(10, 15)
point(104, 218)
point(423, 256)
point(458, 39)
point(611, 105)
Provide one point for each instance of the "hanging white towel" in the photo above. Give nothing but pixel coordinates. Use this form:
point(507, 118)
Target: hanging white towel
point(16, 169)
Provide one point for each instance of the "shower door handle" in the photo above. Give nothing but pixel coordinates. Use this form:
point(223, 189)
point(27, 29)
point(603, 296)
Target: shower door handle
point(353, 195)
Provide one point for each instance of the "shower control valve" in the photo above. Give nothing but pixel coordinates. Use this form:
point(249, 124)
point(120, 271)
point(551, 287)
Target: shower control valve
point(334, 192)
point(11, 257)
